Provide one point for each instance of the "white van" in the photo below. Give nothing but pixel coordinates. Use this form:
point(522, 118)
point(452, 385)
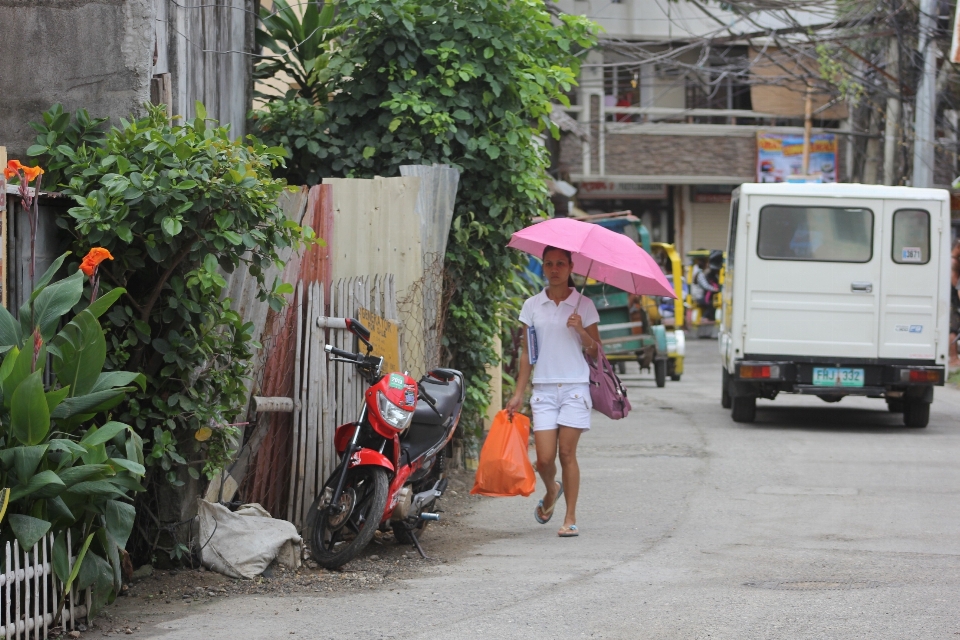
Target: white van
point(836, 290)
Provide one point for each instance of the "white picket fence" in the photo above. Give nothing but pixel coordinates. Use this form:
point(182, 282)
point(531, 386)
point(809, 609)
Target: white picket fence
point(327, 394)
point(28, 592)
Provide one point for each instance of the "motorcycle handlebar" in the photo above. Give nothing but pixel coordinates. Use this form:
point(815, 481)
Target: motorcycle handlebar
point(355, 357)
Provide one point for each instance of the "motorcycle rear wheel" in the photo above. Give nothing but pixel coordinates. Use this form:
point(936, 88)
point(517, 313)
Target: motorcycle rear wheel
point(336, 540)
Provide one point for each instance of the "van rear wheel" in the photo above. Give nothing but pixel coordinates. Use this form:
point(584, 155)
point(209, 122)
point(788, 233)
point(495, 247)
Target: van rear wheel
point(916, 414)
point(744, 409)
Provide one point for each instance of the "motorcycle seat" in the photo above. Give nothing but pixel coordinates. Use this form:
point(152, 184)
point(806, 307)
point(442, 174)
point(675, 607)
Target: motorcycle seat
point(419, 439)
point(428, 429)
point(447, 396)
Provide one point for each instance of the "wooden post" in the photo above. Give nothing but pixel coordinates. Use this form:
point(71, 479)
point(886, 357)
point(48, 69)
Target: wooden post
point(807, 125)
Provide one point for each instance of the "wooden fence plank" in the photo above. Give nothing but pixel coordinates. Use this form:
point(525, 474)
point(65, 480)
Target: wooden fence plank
point(338, 342)
point(313, 406)
point(320, 388)
point(310, 446)
point(295, 449)
point(301, 393)
point(329, 400)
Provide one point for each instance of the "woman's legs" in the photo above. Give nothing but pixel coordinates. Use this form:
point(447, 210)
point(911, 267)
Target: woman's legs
point(546, 444)
point(568, 439)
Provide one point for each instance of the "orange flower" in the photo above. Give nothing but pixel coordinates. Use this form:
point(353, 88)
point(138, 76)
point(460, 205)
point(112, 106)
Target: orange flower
point(31, 173)
point(93, 259)
point(14, 167)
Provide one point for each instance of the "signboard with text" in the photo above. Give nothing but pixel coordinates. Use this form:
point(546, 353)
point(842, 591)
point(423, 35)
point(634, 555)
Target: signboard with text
point(780, 156)
point(955, 39)
point(385, 338)
point(609, 190)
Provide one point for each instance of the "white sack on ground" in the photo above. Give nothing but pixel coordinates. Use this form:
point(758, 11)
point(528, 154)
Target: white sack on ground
point(243, 543)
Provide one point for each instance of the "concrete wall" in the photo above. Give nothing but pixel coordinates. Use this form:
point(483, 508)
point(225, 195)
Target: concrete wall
point(93, 54)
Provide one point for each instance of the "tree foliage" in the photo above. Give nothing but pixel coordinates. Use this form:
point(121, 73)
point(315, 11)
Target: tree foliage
point(68, 464)
point(176, 205)
point(468, 84)
point(301, 46)
point(297, 126)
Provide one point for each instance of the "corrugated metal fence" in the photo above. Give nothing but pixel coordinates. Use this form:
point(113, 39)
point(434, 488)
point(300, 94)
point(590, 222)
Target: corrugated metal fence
point(378, 226)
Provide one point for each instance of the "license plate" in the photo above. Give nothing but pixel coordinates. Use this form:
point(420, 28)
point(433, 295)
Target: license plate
point(833, 377)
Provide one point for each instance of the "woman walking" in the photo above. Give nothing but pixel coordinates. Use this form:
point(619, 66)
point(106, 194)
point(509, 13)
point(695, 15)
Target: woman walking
point(562, 327)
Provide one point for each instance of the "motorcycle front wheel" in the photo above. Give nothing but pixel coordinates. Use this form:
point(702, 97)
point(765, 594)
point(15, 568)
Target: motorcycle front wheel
point(336, 539)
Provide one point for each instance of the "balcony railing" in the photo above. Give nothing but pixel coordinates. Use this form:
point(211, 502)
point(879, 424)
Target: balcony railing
point(668, 114)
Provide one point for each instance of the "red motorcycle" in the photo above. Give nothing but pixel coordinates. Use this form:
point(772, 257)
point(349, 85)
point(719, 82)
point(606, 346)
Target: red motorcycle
point(391, 460)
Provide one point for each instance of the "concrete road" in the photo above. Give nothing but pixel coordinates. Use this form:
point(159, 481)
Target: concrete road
point(819, 521)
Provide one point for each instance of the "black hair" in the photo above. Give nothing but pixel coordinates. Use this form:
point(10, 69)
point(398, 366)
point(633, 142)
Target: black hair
point(569, 255)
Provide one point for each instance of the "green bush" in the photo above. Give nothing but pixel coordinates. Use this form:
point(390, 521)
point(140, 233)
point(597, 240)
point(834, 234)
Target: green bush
point(67, 463)
point(175, 205)
point(467, 84)
point(295, 124)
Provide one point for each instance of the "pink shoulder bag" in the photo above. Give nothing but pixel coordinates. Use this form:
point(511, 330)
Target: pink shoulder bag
point(607, 392)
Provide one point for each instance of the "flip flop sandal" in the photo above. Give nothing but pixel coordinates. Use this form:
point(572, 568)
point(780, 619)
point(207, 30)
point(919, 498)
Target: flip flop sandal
point(569, 532)
point(543, 515)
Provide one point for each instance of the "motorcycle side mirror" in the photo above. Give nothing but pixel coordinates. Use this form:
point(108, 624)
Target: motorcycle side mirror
point(362, 333)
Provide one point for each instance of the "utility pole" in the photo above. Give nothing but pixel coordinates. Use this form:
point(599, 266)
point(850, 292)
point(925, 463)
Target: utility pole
point(890, 133)
point(807, 126)
point(925, 120)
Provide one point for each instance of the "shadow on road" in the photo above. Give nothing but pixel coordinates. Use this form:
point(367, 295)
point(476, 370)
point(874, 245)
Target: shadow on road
point(829, 418)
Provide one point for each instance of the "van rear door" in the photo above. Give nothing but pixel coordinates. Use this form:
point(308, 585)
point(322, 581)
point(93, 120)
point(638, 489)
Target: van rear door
point(911, 259)
point(813, 277)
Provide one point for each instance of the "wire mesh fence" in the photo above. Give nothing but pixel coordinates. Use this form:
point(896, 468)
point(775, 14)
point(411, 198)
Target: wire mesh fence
point(421, 308)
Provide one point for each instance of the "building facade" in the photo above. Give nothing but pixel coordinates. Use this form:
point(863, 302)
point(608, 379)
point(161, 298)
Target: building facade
point(673, 119)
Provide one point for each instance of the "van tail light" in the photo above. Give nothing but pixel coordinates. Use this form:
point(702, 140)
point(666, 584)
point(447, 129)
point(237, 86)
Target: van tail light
point(759, 371)
point(922, 376)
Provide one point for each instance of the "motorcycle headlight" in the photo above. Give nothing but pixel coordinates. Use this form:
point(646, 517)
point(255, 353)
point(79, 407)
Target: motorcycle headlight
point(393, 415)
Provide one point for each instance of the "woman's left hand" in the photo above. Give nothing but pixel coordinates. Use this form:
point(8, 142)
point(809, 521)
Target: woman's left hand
point(575, 322)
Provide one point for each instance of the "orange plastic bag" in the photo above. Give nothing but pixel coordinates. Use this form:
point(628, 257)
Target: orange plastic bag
point(505, 468)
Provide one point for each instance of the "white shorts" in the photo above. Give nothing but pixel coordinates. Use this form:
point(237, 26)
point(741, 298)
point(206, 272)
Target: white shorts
point(561, 404)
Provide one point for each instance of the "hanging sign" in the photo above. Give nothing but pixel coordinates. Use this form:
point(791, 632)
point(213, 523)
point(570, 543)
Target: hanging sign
point(955, 40)
point(780, 157)
point(385, 338)
point(608, 190)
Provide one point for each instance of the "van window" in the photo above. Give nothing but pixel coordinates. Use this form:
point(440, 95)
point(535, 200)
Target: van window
point(911, 236)
point(819, 234)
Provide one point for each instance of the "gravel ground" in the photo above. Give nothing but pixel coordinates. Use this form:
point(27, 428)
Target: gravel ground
point(171, 594)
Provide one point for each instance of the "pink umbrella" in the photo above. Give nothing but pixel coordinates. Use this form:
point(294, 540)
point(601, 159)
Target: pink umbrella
point(598, 253)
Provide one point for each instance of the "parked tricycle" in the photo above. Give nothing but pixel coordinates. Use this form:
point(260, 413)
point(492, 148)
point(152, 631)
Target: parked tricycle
point(642, 328)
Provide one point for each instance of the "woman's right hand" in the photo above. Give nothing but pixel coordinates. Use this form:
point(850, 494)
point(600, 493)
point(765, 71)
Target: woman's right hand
point(513, 405)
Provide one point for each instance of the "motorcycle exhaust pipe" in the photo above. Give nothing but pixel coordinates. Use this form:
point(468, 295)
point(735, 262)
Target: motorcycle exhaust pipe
point(429, 516)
